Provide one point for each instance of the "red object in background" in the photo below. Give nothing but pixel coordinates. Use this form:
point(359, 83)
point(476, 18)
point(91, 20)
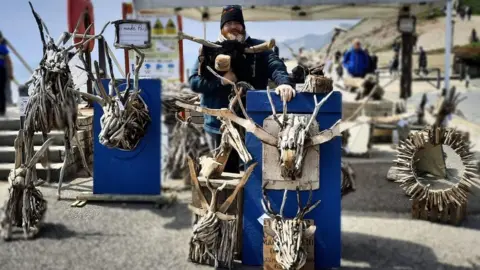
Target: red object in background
point(75, 9)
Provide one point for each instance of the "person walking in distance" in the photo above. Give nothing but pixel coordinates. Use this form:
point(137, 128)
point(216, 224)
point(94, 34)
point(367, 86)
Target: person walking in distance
point(6, 73)
point(215, 93)
point(422, 62)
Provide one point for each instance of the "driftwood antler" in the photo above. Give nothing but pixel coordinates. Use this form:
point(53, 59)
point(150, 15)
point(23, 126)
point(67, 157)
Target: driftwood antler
point(267, 45)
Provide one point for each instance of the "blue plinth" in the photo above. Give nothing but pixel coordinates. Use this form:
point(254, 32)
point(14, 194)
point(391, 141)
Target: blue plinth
point(135, 172)
point(328, 212)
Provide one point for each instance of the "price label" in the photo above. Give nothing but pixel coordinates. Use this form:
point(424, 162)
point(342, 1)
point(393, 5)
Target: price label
point(22, 105)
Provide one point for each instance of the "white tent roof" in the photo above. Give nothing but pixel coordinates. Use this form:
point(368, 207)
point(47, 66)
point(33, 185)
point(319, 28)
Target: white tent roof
point(274, 10)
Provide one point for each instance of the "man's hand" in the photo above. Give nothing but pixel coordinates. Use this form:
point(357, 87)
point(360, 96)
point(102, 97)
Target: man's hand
point(229, 76)
point(286, 92)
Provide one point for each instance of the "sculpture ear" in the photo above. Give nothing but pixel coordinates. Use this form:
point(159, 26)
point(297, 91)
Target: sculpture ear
point(310, 231)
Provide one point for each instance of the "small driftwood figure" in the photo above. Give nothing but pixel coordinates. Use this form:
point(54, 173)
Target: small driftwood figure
point(293, 140)
point(289, 234)
point(125, 115)
point(215, 233)
point(185, 140)
point(53, 98)
point(25, 207)
point(424, 174)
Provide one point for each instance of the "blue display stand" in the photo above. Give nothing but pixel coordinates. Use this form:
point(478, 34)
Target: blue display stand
point(328, 212)
point(135, 172)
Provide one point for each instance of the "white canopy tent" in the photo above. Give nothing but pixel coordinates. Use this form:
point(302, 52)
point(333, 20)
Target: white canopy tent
point(273, 10)
point(298, 10)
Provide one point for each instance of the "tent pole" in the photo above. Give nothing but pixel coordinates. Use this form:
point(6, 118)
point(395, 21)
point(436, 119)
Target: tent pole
point(205, 30)
point(448, 45)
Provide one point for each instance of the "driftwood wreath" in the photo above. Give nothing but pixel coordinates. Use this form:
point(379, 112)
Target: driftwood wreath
point(424, 175)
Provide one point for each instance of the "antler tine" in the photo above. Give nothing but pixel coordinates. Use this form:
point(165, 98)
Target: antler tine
point(138, 65)
point(265, 202)
point(235, 89)
point(298, 201)
point(317, 108)
point(267, 45)
point(112, 75)
point(284, 199)
point(80, 19)
point(40, 25)
point(274, 112)
point(182, 35)
point(307, 209)
point(284, 113)
point(88, 40)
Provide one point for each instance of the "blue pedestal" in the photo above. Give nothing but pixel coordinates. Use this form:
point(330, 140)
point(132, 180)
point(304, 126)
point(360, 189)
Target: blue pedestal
point(135, 172)
point(328, 212)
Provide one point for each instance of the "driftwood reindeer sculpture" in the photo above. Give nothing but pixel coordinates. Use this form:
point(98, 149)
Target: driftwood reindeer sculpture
point(289, 234)
point(53, 98)
point(214, 234)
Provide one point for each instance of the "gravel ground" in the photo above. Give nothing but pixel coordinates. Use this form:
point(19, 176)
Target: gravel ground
point(378, 233)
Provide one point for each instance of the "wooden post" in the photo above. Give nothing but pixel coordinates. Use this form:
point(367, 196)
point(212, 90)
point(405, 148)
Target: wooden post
point(407, 50)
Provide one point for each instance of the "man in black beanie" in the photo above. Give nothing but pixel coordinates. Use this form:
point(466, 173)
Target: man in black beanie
point(266, 65)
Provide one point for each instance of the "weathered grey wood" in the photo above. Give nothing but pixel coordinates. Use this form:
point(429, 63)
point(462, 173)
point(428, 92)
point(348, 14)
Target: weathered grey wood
point(158, 199)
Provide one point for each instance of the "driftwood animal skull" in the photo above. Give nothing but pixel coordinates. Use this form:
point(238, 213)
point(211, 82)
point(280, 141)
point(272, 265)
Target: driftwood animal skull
point(289, 234)
point(206, 234)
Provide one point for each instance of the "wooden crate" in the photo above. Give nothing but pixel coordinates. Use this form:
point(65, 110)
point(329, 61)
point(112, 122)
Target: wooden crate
point(236, 208)
point(453, 214)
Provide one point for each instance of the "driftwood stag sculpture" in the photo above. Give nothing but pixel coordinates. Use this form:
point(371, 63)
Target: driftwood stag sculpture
point(289, 234)
point(53, 98)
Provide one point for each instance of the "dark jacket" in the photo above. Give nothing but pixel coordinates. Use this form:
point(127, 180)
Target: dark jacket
point(356, 62)
point(422, 59)
point(215, 95)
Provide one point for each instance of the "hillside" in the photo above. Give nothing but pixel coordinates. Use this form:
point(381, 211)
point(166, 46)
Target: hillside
point(308, 42)
point(378, 36)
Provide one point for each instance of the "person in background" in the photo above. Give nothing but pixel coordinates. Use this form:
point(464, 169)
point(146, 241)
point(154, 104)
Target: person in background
point(468, 12)
point(356, 61)
point(215, 92)
point(6, 74)
point(8, 86)
point(394, 64)
point(473, 36)
point(374, 63)
point(422, 61)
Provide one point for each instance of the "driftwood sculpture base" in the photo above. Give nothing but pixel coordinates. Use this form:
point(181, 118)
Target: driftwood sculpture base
point(230, 234)
point(452, 214)
point(317, 84)
point(198, 252)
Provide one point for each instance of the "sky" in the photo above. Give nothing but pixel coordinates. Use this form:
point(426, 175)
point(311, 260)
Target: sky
point(18, 26)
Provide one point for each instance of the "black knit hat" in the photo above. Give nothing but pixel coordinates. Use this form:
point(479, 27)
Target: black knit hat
point(232, 13)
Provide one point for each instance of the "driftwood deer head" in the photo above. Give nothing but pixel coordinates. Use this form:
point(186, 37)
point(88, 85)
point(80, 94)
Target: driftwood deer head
point(289, 234)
